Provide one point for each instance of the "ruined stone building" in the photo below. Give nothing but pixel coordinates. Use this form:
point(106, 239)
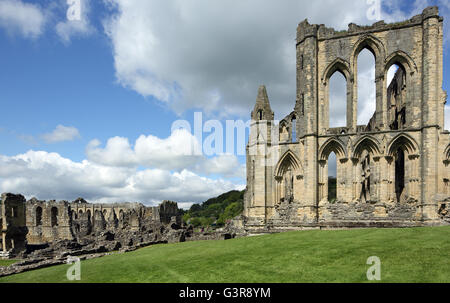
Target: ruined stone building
point(36, 223)
point(394, 171)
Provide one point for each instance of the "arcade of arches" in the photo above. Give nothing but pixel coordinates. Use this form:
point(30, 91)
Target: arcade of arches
point(392, 170)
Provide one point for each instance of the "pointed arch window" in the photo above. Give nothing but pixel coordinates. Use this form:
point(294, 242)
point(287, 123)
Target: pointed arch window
point(366, 86)
point(399, 173)
point(54, 216)
point(38, 216)
point(337, 103)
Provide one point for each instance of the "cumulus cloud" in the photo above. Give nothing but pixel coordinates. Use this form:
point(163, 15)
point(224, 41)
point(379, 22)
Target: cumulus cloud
point(50, 176)
point(214, 55)
point(61, 133)
point(70, 28)
point(24, 18)
point(180, 151)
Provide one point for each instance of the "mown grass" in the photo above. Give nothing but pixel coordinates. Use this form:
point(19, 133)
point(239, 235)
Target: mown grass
point(7, 262)
point(407, 255)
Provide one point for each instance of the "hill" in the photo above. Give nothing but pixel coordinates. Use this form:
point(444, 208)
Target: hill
point(216, 211)
point(407, 255)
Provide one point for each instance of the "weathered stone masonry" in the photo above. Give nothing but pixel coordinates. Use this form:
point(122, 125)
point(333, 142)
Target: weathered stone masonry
point(392, 172)
point(36, 223)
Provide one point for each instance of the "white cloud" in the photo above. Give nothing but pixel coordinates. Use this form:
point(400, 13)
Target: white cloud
point(62, 133)
point(50, 176)
point(180, 151)
point(25, 18)
point(213, 55)
point(117, 152)
point(226, 165)
point(68, 29)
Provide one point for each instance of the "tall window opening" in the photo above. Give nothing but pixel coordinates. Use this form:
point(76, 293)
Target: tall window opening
point(338, 100)
point(396, 84)
point(399, 173)
point(38, 216)
point(366, 87)
point(332, 177)
point(54, 216)
point(294, 129)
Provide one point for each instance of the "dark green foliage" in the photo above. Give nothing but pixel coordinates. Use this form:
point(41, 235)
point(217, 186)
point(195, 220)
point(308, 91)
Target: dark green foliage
point(216, 210)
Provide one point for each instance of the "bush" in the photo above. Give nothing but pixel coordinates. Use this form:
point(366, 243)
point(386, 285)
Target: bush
point(219, 209)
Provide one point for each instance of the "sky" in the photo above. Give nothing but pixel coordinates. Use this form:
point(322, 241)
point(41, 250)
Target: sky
point(88, 96)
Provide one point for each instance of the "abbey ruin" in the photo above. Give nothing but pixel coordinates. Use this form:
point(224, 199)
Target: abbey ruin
point(392, 172)
point(52, 227)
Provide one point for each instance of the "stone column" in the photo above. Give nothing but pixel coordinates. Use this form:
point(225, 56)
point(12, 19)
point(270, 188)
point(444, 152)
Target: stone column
point(430, 101)
point(386, 178)
point(381, 103)
point(4, 241)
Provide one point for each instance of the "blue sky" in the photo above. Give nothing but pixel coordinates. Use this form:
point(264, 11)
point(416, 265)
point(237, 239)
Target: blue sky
point(77, 95)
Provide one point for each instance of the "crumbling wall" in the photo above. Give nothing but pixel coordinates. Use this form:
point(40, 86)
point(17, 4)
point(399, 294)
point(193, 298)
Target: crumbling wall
point(35, 224)
point(12, 222)
point(394, 171)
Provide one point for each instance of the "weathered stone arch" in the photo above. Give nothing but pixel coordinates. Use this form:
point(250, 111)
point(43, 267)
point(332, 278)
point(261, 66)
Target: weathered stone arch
point(368, 143)
point(287, 173)
point(284, 131)
point(371, 43)
point(284, 123)
point(341, 66)
point(38, 215)
point(447, 153)
point(400, 58)
point(88, 215)
point(404, 142)
point(287, 160)
point(338, 65)
point(332, 145)
point(54, 216)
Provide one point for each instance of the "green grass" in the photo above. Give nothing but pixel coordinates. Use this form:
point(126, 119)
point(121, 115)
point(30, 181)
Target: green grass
point(7, 262)
point(407, 255)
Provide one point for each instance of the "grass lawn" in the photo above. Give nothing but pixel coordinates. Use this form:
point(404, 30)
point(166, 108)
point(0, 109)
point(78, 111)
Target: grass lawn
point(407, 255)
point(7, 262)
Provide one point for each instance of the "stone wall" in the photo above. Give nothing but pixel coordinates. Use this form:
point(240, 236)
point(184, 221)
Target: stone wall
point(34, 224)
point(394, 171)
point(12, 222)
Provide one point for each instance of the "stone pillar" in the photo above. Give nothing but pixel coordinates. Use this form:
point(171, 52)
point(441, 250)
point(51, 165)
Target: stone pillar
point(4, 227)
point(386, 187)
point(381, 103)
point(4, 241)
point(351, 112)
point(375, 176)
point(430, 103)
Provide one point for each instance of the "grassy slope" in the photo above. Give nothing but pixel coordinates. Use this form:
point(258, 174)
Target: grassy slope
point(7, 262)
point(407, 255)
